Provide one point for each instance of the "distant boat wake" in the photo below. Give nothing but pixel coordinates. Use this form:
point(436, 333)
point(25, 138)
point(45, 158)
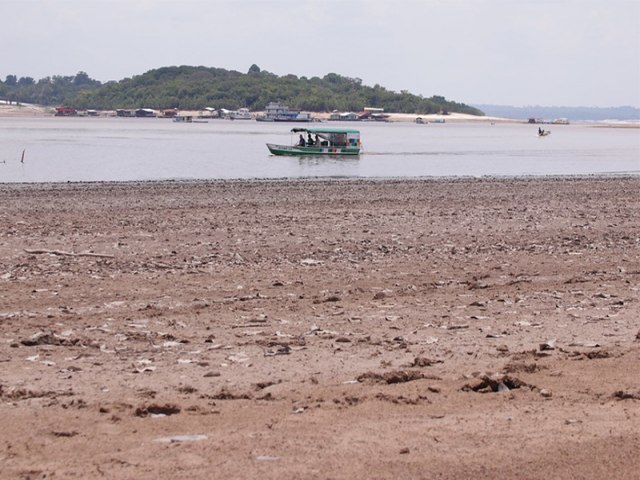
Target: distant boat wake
point(432, 153)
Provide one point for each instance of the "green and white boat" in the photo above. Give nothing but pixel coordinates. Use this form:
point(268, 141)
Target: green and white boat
point(320, 141)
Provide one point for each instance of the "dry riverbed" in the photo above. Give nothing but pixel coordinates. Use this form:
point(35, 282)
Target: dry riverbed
point(321, 329)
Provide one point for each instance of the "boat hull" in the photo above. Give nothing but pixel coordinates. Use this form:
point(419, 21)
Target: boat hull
point(311, 151)
point(284, 119)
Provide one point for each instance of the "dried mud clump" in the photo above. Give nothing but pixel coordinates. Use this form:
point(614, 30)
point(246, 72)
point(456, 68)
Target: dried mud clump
point(622, 395)
point(225, 394)
point(597, 354)
point(399, 376)
point(523, 367)
point(499, 383)
point(424, 362)
point(155, 409)
point(14, 394)
point(44, 338)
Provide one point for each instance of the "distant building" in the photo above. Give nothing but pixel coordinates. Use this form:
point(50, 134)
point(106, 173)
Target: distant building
point(371, 113)
point(145, 112)
point(209, 112)
point(344, 116)
point(66, 112)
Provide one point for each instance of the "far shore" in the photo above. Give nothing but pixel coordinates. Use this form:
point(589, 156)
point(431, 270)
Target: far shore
point(28, 110)
point(38, 111)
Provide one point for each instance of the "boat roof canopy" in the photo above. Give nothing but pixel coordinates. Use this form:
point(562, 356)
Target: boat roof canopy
point(324, 130)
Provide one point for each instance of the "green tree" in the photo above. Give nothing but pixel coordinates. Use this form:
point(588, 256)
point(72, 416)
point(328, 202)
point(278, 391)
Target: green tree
point(25, 81)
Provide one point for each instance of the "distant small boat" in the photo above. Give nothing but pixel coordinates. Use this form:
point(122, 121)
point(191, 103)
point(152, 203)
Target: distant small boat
point(328, 141)
point(240, 114)
point(344, 116)
point(300, 117)
point(188, 119)
point(543, 133)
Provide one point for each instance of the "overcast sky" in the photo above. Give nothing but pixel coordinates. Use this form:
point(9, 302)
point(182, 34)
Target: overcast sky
point(505, 52)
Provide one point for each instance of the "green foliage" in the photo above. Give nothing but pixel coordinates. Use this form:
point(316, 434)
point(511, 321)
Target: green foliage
point(196, 87)
point(26, 81)
point(56, 90)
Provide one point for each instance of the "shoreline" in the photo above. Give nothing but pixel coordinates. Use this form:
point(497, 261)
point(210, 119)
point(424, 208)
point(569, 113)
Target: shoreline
point(356, 180)
point(37, 111)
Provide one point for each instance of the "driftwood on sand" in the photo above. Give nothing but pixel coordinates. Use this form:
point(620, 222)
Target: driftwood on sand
point(68, 254)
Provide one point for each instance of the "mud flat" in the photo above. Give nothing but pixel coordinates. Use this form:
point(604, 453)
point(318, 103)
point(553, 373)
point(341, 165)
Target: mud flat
point(321, 329)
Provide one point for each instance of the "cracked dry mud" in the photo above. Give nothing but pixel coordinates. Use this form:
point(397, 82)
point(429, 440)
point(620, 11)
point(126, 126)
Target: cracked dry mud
point(321, 329)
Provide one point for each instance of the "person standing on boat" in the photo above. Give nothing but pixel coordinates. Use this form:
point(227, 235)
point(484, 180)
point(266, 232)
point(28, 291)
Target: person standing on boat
point(301, 141)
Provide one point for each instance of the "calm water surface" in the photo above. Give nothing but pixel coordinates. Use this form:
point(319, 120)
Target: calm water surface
point(120, 149)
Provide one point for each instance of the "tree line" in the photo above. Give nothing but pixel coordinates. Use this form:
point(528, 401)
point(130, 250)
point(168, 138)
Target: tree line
point(193, 88)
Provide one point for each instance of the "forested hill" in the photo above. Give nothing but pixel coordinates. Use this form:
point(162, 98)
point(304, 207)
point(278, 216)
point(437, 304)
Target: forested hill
point(188, 88)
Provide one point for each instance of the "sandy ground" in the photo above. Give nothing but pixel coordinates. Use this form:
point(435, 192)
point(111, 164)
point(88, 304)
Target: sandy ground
point(24, 110)
point(321, 329)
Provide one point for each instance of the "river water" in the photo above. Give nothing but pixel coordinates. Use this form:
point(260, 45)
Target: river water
point(122, 149)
